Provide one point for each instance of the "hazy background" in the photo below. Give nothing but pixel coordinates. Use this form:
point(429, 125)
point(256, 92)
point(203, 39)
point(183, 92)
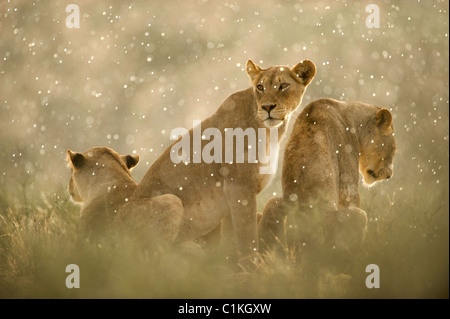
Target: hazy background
point(133, 71)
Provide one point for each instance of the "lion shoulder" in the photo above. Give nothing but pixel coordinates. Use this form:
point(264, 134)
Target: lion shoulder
point(332, 142)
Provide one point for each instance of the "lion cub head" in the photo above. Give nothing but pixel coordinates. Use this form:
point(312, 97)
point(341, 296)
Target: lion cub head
point(98, 170)
point(378, 148)
point(279, 89)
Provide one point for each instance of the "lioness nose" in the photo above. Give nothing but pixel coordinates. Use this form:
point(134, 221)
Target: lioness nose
point(268, 107)
point(389, 173)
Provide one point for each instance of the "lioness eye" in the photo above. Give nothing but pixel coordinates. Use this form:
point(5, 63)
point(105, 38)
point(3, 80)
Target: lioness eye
point(260, 87)
point(283, 86)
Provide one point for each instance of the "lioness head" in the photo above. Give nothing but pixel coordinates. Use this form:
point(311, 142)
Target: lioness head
point(378, 149)
point(279, 89)
point(96, 166)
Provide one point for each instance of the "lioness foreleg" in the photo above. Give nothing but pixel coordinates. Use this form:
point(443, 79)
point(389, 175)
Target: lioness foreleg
point(270, 227)
point(243, 210)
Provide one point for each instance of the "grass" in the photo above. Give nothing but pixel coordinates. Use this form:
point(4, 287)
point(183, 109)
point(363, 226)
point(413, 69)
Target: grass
point(39, 239)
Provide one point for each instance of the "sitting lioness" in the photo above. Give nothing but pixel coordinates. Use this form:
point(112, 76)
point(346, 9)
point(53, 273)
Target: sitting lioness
point(224, 188)
point(331, 144)
point(101, 181)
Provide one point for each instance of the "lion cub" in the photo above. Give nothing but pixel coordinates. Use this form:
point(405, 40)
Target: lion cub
point(331, 144)
point(101, 181)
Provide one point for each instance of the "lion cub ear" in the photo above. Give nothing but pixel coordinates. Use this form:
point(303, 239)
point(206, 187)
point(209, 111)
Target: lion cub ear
point(77, 159)
point(305, 70)
point(383, 118)
point(130, 160)
point(252, 70)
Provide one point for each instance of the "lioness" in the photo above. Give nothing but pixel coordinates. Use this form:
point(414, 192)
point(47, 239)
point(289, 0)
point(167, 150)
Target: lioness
point(213, 191)
point(101, 181)
point(331, 143)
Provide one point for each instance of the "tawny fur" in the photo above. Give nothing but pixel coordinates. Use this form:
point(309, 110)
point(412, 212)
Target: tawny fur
point(210, 193)
point(332, 143)
point(101, 181)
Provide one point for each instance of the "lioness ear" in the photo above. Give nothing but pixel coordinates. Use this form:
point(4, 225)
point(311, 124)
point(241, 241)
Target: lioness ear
point(383, 118)
point(130, 160)
point(77, 159)
point(305, 70)
point(252, 70)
